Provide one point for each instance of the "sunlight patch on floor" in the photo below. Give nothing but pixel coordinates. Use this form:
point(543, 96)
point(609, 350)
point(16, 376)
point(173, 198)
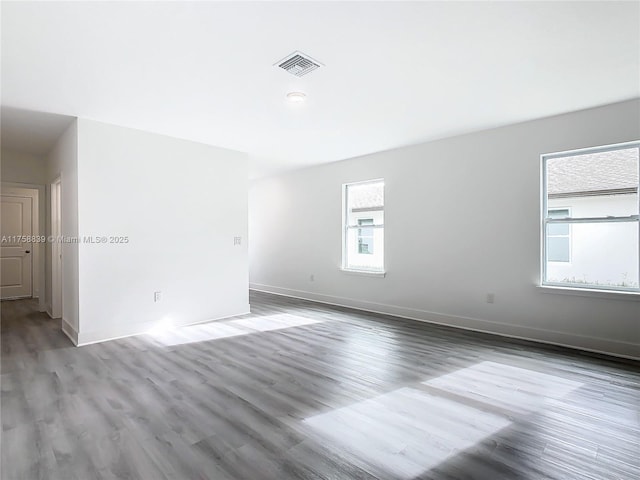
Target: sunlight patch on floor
point(408, 431)
point(204, 332)
point(504, 386)
point(411, 430)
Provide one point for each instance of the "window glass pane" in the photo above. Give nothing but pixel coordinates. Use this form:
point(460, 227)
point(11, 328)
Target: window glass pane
point(558, 229)
point(558, 249)
point(365, 253)
point(365, 246)
point(602, 254)
point(594, 184)
point(365, 232)
point(363, 198)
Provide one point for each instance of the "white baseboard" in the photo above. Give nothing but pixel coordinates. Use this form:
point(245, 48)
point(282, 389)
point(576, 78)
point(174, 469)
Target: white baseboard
point(69, 331)
point(614, 348)
point(48, 308)
point(123, 331)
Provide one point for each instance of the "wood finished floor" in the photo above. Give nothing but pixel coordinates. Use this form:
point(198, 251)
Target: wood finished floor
point(298, 390)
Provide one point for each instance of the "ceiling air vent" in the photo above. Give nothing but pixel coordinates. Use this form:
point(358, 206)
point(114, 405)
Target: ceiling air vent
point(298, 64)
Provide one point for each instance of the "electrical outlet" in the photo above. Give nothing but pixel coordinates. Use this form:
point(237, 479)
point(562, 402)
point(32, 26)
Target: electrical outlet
point(237, 240)
point(312, 278)
point(491, 297)
point(157, 296)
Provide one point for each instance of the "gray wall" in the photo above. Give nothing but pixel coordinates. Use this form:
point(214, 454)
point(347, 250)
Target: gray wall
point(462, 220)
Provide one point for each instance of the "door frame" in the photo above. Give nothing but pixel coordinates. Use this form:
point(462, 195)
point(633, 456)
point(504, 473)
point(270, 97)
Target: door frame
point(56, 248)
point(37, 194)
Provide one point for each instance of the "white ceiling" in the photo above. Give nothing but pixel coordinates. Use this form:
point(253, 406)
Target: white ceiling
point(395, 73)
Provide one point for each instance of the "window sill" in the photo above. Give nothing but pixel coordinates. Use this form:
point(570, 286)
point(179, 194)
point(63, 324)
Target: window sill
point(364, 273)
point(590, 292)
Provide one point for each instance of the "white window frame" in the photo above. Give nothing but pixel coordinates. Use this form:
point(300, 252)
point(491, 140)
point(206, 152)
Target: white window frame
point(346, 227)
point(545, 220)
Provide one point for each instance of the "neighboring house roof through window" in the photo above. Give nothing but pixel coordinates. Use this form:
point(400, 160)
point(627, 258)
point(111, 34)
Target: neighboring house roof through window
point(603, 173)
point(367, 197)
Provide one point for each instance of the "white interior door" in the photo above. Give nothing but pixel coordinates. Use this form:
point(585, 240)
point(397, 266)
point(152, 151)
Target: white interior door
point(15, 250)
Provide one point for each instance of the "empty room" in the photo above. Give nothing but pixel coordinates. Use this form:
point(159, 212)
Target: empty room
point(373, 240)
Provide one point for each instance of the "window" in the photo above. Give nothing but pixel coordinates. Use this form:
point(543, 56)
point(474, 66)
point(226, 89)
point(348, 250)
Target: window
point(590, 218)
point(558, 239)
point(363, 232)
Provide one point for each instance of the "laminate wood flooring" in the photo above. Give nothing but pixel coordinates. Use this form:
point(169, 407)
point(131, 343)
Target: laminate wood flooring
point(299, 390)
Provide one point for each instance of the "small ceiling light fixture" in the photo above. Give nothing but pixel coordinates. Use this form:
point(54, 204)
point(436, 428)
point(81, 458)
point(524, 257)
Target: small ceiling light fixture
point(296, 97)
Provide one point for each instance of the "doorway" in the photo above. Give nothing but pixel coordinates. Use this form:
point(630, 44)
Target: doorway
point(22, 247)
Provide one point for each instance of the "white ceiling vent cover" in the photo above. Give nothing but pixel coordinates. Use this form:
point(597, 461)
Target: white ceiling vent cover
point(298, 64)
